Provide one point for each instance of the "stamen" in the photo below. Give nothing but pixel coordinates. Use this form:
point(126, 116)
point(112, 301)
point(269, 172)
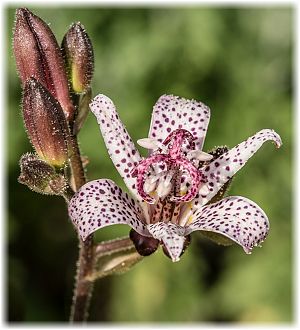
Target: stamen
point(200, 155)
point(148, 143)
point(150, 185)
point(173, 160)
point(163, 188)
point(141, 171)
point(165, 184)
point(156, 215)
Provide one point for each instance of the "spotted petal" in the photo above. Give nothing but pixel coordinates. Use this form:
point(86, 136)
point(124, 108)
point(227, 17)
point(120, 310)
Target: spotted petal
point(121, 148)
point(102, 203)
point(171, 235)
point(218, 172)
point(235, 217)
point(172, 112)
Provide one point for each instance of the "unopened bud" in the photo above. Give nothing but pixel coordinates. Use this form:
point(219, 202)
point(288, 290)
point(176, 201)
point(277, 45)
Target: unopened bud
point(45, 123)
point(40, 176)
point(38, 55)
point(144, 245)
point(186, 243)
point(79, 57)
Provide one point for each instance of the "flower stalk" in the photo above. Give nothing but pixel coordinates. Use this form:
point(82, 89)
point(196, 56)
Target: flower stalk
point(83, 287)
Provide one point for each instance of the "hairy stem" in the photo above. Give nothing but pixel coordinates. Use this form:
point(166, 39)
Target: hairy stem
point(83, 288)
point(77, 171)
point(113, 246)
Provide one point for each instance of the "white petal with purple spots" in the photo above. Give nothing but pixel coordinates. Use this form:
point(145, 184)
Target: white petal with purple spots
point(235, 217)
point(173, 112)
point(102, 203)
point(218, 172)
point(121, 148)
point(171, 235)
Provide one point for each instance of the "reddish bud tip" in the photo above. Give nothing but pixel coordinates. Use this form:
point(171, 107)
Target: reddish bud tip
point(38, 55)
point(79, 57)
point(45, 123)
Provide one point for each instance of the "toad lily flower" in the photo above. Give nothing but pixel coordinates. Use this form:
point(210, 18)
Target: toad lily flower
point(173, 185)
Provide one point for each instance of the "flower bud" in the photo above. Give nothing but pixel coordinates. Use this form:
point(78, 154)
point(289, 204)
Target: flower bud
point(79, 57)
point(186, 243)
point(38, 55)
point(40, 176)
point(144, 245)
point(45, 123)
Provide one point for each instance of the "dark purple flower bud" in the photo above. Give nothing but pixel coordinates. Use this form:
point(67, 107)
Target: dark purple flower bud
point(144, 245)
point(40, 176)
point(187, 242)
point(38, 55)
point(79, 57)
point(45, 123)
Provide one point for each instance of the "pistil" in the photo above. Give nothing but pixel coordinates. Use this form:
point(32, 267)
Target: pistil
point(170, 154)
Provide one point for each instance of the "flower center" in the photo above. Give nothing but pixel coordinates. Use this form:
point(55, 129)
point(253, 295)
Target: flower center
point(161, 172)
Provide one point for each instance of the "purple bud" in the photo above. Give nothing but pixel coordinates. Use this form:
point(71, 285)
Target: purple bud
point(45, 123)
point(38, 55)
point(40, 176)
point(144, 245)
point(79, 57)
point(186, 243)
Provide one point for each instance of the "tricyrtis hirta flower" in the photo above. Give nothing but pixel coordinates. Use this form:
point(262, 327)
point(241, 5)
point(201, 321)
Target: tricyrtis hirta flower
point(173, 185)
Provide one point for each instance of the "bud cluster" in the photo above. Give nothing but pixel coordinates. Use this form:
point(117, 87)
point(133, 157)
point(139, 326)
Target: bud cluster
point(50, 76)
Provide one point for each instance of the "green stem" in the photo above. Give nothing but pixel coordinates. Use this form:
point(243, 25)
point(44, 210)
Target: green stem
point(83, 288)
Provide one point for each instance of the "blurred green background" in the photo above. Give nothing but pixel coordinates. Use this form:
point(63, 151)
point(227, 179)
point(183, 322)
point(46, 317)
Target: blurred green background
point(239, 62)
